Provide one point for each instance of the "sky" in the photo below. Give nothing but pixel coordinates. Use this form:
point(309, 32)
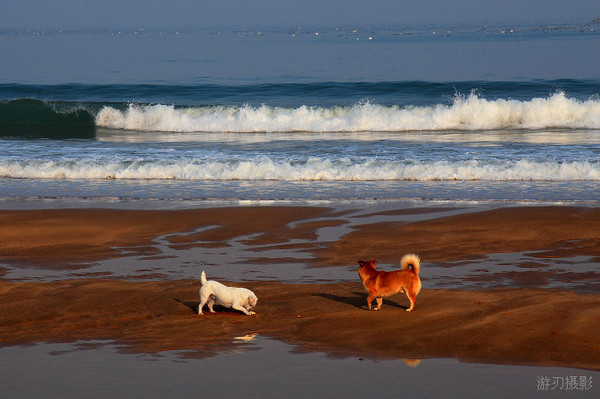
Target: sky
point(69, 14)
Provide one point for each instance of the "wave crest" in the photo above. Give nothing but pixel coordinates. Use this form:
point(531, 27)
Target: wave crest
point(464, 113)
point(311, 169)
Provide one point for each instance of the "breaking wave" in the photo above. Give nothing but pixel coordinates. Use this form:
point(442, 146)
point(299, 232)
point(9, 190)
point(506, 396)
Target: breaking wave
point(343, 169)
point(464, 113)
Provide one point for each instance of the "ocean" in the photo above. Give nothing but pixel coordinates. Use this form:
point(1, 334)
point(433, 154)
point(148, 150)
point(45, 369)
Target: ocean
point(486, 113)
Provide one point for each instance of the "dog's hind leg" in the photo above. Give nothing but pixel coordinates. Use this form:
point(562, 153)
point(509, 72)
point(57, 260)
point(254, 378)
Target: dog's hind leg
point(211, 303)
point(201, 305)
point(412, 298)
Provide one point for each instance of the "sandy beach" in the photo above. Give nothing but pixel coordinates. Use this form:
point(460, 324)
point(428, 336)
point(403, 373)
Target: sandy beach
point(521, 324)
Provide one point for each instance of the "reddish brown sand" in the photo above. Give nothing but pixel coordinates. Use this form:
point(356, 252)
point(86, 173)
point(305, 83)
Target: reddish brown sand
point(557, 231)
point(63, 236)
point(523, 326)
point(518, 326)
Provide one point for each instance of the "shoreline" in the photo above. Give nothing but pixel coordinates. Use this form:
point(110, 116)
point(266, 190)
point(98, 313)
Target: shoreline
point(525, 323)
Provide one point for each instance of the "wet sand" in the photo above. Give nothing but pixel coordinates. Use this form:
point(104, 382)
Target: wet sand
point(60, 237)
point(512, 326)
point(65, 236)
point(508, 325)
point(556, 231)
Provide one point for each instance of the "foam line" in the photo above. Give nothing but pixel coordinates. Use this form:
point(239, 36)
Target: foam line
point(464, 113)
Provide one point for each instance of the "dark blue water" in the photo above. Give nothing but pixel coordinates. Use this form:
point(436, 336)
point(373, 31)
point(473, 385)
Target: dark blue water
point(329, 93)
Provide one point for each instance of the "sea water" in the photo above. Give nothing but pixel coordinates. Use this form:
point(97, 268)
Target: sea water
point(503, 113)
point(263, 367)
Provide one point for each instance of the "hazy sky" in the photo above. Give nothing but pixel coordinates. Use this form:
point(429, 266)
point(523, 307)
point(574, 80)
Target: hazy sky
point(32, 14)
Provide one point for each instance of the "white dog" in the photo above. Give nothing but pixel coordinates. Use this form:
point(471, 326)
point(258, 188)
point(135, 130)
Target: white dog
point(213, 292)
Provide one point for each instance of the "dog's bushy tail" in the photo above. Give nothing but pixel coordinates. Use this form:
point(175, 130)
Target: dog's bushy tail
point(203, 278)
point(411, 261)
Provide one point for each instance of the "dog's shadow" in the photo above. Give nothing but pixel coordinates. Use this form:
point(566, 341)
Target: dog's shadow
point(358, 300)
point(192, 305)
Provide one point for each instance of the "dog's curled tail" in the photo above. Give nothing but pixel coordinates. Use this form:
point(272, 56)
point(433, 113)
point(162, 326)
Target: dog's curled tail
point(203, 278)
point(411, 260)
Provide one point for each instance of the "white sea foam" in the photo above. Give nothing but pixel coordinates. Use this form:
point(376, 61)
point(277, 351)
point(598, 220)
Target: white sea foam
point(312, 169)
point(465, 113)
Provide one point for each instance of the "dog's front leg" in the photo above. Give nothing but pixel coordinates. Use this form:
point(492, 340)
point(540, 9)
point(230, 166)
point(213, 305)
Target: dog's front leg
point(238, 306)
point(369, 300)
point(379, 302)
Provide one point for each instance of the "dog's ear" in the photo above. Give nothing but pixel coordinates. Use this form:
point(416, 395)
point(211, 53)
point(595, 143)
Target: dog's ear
point(374, 262)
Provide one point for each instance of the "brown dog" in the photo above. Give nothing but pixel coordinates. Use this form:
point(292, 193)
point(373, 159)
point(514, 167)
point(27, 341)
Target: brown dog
point(382, 283)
